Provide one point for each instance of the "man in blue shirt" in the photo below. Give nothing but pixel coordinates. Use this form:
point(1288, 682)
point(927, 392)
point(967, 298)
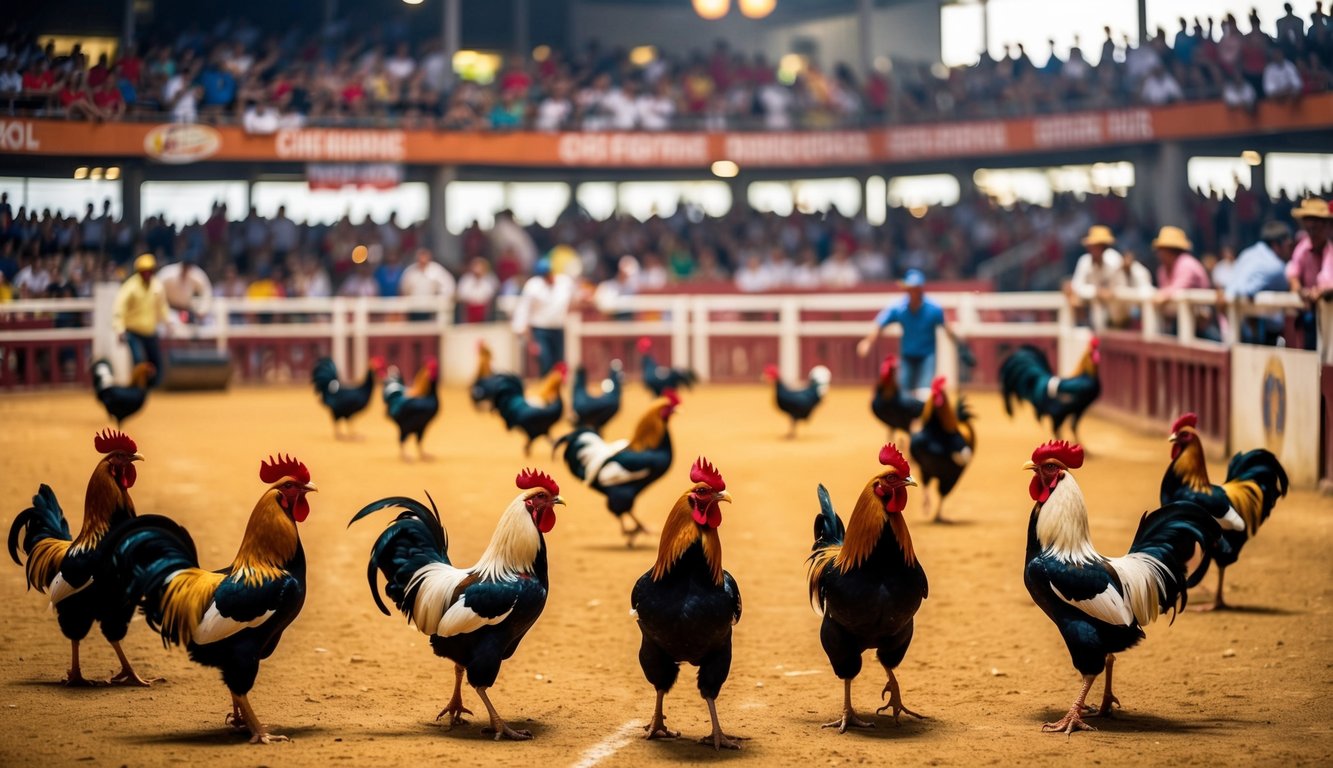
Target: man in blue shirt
point(1261, 267)
point(918, 317)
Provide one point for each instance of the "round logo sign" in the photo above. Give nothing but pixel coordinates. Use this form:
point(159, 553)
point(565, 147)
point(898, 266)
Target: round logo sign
point(180, 143)
point(1273, 404)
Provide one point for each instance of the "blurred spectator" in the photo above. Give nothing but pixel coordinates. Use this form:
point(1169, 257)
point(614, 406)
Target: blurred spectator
point(477, 288)
point(1261, 267)
point(188, 290)
point(1310, 272)
point(609, 292)
point(1281, 79)
point(426, 278)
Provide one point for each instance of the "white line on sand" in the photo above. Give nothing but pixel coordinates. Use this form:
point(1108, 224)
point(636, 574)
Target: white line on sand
point(608, 746)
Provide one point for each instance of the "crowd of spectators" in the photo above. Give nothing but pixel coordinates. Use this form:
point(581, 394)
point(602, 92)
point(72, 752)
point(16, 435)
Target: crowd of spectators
point(236, 72)
point(51, 254)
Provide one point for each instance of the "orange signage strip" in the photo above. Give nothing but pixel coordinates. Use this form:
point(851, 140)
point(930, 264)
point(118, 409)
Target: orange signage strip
point(188, 143)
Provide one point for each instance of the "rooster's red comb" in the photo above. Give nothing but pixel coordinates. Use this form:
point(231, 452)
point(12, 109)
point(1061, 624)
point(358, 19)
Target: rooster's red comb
point(1068, 454)
point(1185, 420)
point(1094, 342)
point(703, 472)
point(644, 344)
point(533, 478)
point(273, 470)
point(937, 386)
point(672, 396)
point(109, 440)
point(890, 456)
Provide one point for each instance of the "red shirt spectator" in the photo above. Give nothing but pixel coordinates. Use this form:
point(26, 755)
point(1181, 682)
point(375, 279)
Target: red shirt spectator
point(40, 80)
point(131, 67)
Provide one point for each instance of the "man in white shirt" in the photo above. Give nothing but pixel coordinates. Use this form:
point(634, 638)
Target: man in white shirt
point(283, 234)
point(1281, 78)
point(189, 291)
point(1160, 88)
point(607, 296)
point(542, 309)
point(838, 270)
point(1096, 276)
point(426, 278)
point(476, 290)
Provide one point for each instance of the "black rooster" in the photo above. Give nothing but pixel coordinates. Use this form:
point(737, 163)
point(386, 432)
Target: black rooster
point(621, 469)
point(943, 446)
point(477, 616)
point(1099, 604)
point(686, 604)
point(660, 378)
point(890, 405)
point(343, 401)
point(534, 416)
point(867, 582)
point(412, 409)
point(122, 402)
point(1026, 374)
point(798, 404)
point(1255, 481)
point(594, 411)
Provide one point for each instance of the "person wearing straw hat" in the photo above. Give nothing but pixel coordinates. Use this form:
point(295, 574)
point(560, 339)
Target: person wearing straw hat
point(919, 317)
point(1096, 276)
point(141, 306)
point(1310, 271)
point(1178, 270)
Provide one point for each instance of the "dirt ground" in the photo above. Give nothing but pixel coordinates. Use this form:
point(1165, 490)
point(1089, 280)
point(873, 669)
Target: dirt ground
point(352, 687)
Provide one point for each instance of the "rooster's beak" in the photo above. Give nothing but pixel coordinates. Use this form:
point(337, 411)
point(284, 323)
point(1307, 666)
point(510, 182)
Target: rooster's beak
point(558, 500)
point(1171, 438)
point(309, 488)
point(1030, 467)
point(137, 457)
point(909, 481)
point(723, 496)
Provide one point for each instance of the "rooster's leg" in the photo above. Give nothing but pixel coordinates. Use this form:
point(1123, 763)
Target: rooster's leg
point(657, 728)
point(634, 531)
point(791, 433)
point(74, 677)
point(895, 700)
point(499, 727)
point(455, 709)
point(258, 732)
point(1218, 602)
point(1073, 719)
point(717, 738)
point(402, 451)
point(127, 675)
point(849, 718)
point(1108, 698)
point(421, 450)
point(236, 720)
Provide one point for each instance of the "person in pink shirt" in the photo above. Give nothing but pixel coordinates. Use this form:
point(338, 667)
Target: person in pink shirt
point(1310, 270)
point(1179, 271)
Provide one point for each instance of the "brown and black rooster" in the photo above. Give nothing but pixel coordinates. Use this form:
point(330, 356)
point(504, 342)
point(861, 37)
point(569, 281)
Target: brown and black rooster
point(943, 447)
point(1255, 481)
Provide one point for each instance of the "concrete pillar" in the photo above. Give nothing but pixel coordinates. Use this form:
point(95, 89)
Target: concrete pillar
point(521, 24)
point(127, 31)
point(985, 25)
point(1165, 181)
point(131, 184)
point(865, 13)
point(1142, 8)
point(444, 244)
point(451, 23)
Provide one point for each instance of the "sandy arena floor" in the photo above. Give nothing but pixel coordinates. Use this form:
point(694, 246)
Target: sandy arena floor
point(352, 687)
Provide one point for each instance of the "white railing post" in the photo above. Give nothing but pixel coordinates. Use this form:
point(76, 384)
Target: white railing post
point(699, 360)
point(1151, 317)
point(1184, 322)
point(338, 338)
point(444, 319)
point(105, 343)
point(680, 331)
point(789, 339)
point(1234, 315)
point(574, 340)
point(1324, 337)
point(361, 334)
point(222, 318)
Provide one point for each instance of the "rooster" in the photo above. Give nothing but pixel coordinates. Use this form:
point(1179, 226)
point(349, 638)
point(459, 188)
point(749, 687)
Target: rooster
point(1101, 604)
point(65, 567)
point(799, 403)
point(122, 402)
point(535, 414)
point(621, 469)
point(867, 582)
point(660, 378)
point(1255, 481)
point(233, 618)
point(943, 446)
point(412, 409)
point(1026, 374)
point(483, 384)
point(475, 617)
point(686, 604)
point(343, 401)
point(594, 411)
point(890, 405)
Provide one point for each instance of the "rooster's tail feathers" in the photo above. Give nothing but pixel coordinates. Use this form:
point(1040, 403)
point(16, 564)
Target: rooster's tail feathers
point(412, 540)
point(829, 529)
point(325, 376)
point(1181, 537)
point(103, 378)
point(136, 562)
point(1263, 469)
point(1023, 376)
point(44, 521)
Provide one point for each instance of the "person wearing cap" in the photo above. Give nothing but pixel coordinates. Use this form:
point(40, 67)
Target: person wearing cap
point(188, 290)
point(1178, 270)
point(1096, 276)
point(919, 317)
point(1261, 267)
point(141, 305)
point(543, 307)
point(1310, 271)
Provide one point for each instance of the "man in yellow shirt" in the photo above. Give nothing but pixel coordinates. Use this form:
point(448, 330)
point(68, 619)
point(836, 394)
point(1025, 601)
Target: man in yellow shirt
point(141, 306)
